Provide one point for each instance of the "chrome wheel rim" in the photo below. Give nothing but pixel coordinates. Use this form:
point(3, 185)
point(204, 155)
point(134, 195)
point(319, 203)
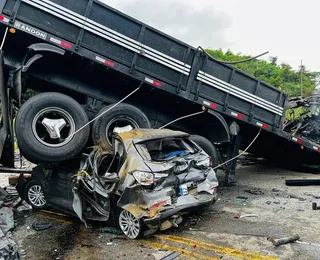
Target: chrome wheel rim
point(129, 225)
point(118, 122)
point(36, 196)
point(59, 120)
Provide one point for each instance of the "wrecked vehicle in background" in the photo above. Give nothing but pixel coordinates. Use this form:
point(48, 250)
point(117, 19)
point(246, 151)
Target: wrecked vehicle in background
point(308, 122)
point(151, 180)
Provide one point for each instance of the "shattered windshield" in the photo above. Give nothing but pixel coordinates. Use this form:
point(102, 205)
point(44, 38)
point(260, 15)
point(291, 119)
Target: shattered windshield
point(166, 149)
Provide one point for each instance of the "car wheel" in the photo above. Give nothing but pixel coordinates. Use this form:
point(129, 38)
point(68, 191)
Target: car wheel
point(208, 147)
point(44, 127)
point(34, 195)
point(120, 116)
point(129, 224)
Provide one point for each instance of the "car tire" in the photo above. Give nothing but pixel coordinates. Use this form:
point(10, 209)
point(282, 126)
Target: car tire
point(208, 147)
point(119, 116)
point(34, 140)
point(34, 195)
point(129, 225)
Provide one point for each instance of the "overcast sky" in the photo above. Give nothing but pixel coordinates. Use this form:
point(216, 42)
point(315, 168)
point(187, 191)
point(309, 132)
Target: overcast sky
point(288, 29)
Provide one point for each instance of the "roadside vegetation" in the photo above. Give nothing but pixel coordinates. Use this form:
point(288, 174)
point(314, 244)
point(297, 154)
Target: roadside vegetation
point(281, 76)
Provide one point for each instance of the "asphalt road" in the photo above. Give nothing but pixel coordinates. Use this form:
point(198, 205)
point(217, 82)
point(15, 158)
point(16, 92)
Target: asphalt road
point(221, 232)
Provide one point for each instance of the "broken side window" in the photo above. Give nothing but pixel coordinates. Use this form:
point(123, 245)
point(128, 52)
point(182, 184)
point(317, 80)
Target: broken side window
point(166, 149)
point(111, 163)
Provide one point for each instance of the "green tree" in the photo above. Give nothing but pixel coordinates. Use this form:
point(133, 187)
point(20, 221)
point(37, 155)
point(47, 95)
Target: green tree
point(281, 76)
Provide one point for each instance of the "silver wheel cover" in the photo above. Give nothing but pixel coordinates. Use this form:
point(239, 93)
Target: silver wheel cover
point(129, 225)
point(61, 114)
point(36, 196)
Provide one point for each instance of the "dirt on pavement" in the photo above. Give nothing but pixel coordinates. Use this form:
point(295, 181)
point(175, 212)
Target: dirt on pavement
point(236, 227)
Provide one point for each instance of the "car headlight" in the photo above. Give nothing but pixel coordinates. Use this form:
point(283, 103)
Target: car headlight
point(144, 178)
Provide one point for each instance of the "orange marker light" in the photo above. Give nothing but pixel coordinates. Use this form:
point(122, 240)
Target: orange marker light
point(12, 30)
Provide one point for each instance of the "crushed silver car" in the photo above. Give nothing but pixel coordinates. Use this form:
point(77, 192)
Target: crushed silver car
point(152, 178)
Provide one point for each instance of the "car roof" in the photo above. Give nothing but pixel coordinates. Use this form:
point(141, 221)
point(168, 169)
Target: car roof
point(142, 135)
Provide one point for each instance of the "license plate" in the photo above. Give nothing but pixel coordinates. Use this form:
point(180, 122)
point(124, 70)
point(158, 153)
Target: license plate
point(183, 189)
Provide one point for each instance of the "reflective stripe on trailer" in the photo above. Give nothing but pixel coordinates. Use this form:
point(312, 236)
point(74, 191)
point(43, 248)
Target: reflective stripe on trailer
point(153, 82)
point(104, 61)
point(316, 148)
point(237, 115)
point(264, 126)
point(299, 141)
point(61, 43)
point(4, 19)
point(211, 105)
point(109, 34)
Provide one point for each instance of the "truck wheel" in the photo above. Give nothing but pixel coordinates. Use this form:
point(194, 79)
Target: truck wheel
point(119, 116)
point(44, 127)
point(207, 146)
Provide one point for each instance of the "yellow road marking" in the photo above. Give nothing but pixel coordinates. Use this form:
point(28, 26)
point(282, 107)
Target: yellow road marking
point(217, 248)
point(187, 253)
point(54, 213)
point(55, 219)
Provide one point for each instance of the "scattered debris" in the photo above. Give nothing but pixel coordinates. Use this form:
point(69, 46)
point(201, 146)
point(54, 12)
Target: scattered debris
point(120, 237)
point(282, 241)
point(194, 229)
point(24, 207)
point(194, 221)
point(292, 196)
point(268, 202)
point(11, 190)
point(111, 230)
point(39, 226)
point(255, 191)
point(312, 195)
point(306, 243)
point(6, 219)
point(171, 256)
point(8, 247)
point(304, 182)
point(315, 206)
point(249, 215)
point(242, 197)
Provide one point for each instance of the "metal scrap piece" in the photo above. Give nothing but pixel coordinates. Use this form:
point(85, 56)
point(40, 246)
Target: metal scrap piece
point(171, 256)
point(282, 241)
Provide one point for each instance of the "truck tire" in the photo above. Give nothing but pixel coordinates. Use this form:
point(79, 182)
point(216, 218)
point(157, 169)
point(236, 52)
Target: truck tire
point(208, 147)
point(35, 120)
point(119, 116)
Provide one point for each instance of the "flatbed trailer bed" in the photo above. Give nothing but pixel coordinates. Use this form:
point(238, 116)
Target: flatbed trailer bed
point(101, 35)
